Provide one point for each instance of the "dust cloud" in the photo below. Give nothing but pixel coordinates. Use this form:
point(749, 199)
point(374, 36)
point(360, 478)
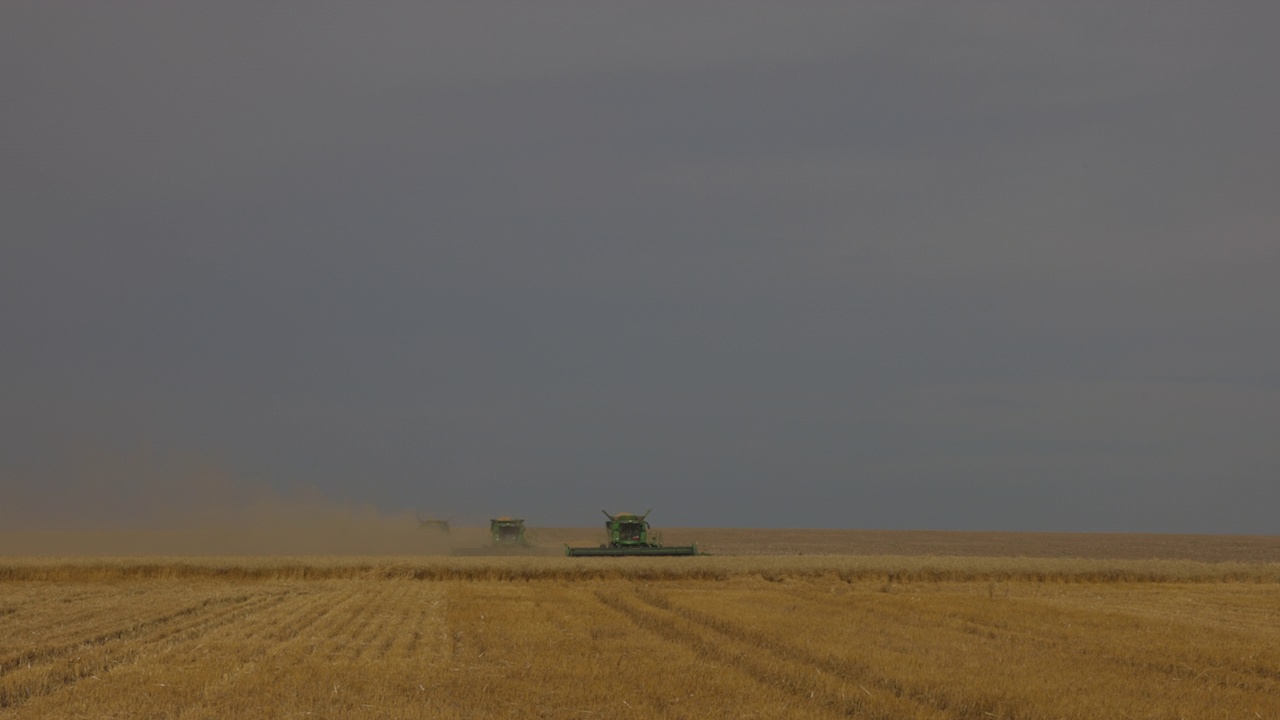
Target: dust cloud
point(291, 531)
point(141, 503)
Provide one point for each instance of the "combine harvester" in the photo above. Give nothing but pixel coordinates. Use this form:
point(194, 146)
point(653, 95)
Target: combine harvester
point(508, 532)
point(629, 534)
point(507, 537)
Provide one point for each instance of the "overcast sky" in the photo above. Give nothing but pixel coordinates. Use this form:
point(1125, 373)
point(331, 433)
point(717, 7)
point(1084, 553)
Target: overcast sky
point(917, 265)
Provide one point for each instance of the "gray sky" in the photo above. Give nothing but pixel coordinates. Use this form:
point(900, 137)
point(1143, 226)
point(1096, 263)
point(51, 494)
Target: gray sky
point(882, 265)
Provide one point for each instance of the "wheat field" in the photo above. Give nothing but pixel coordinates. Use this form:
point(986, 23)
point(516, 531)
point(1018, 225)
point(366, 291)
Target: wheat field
point(890, 637)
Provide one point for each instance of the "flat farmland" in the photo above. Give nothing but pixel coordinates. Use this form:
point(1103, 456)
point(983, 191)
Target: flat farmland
point(753, 634)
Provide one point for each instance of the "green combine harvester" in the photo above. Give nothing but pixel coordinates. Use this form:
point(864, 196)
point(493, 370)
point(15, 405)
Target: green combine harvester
point(506, 537)
point(629, 534)
point(507, 532)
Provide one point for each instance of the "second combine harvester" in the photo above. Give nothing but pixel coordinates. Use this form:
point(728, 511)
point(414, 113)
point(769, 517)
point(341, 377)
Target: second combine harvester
point(629, 534)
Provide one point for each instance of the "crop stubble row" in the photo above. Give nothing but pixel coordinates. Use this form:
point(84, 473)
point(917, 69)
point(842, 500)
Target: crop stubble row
point(768, 644)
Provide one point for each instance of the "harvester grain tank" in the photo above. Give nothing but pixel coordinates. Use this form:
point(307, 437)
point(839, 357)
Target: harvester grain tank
point(629, 534)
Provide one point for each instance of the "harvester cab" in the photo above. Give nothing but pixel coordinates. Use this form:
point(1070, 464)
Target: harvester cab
point(627, 530)
point(507, 531)
point(629, 534)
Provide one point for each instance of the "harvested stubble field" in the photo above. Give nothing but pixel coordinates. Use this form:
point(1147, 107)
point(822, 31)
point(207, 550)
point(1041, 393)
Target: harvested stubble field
point(727, 636)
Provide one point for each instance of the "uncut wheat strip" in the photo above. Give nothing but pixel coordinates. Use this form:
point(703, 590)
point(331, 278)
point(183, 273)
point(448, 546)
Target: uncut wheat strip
point(134, 569)
point(905, 568)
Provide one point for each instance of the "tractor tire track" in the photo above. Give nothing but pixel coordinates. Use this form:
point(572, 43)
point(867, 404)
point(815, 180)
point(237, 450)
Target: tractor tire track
point(1221, 672)
point(837, 695)
point(866, 676)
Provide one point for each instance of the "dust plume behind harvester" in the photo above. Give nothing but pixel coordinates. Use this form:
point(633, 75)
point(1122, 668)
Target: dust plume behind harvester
point(630, 534)
point(434, 526)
